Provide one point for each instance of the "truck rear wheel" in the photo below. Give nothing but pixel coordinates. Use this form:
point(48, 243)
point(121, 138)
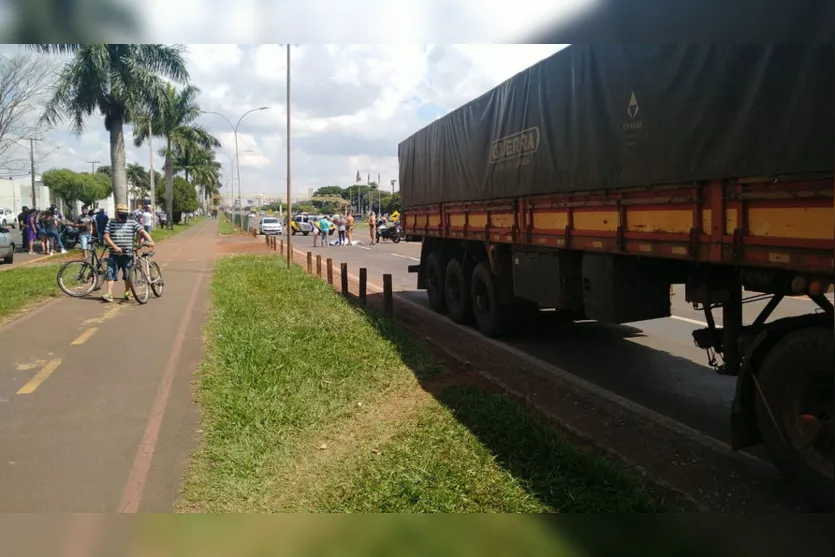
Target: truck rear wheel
point(435, 282)
point(457, 292)
point(491, 318)
point(795, 415)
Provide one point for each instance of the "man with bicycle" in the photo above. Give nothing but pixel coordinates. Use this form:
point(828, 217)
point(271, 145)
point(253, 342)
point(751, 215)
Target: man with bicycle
point(119, 236)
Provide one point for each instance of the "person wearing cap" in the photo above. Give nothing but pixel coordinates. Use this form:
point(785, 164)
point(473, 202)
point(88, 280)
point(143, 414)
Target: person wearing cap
point(119, 236)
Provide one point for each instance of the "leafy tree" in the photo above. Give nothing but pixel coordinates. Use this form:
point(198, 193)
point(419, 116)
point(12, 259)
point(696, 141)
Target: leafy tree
point(77, 186)
point(184, 198)
point(304, 208)
point(104, 169)
point(122, 81)
point(328, 191)
point(139, 176)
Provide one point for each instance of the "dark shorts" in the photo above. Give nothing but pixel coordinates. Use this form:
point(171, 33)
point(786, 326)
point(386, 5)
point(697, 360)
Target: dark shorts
point(118, 261)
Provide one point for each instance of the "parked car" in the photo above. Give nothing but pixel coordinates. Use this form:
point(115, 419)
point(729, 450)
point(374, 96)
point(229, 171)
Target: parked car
point(7, 218)
point(7, 246)
point(269, 225)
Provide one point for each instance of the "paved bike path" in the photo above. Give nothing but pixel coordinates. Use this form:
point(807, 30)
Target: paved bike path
point(96, 406)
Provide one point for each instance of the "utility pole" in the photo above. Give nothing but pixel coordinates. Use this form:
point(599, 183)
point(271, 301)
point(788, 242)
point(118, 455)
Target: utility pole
point(93, 166)
point(32, 169)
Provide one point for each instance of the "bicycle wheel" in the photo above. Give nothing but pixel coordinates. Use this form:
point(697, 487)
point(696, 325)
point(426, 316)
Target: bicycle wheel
point(76, 278)
point(156, 278)
point(139, 284)
point(101, 274)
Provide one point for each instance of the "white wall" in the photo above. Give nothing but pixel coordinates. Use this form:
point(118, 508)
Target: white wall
point(17, 192)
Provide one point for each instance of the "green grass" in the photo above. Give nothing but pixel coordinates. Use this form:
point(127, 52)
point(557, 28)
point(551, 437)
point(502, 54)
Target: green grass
point(161, 234)
point(309, 404)
point(225, 226)
point(22, 286)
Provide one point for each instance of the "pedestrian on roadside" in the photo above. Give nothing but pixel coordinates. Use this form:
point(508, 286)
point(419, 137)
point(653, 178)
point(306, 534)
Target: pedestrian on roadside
point(43, 225)
point(29, 230)
point(324, 231)
point(83, 225)
point(53, 230)
point(372, 226)
point(349, 228)
point(341, 229)
point(119, 237)
point(147, 219)
point(100, 222)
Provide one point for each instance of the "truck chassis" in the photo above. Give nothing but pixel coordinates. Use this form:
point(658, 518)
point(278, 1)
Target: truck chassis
point(612, 256)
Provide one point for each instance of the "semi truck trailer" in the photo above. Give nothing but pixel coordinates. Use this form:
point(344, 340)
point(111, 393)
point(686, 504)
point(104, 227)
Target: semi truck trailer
point(593, 181)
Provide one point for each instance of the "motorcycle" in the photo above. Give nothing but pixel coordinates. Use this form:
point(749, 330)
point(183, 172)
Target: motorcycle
point(394, 233)
point(69, 236)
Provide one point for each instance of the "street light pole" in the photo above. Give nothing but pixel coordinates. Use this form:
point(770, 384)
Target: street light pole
point(289, 201)
point(235, 131)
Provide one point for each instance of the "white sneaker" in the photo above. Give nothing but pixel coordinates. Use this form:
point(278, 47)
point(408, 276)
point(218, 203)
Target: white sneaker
point(63, 251)
point(51, 252)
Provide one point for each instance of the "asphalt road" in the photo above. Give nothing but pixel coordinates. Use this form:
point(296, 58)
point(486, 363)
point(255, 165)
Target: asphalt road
point(653, 363)
point(20, 256)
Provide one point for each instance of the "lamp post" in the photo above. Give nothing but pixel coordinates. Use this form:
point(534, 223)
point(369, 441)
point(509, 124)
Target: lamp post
point(236, 161)
point(235, 131)
point(289, 201)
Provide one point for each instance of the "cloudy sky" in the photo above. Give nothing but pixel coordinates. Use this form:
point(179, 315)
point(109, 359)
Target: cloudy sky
point(351, 106)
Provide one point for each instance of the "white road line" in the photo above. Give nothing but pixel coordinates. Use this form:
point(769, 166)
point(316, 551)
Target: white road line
point(688, 320)
point(363, 247)
point(405, 257)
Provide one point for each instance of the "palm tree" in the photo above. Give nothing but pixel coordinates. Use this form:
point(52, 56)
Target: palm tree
point(206, 176)
point(139, 178)
point(173, 120)
point(121, 81)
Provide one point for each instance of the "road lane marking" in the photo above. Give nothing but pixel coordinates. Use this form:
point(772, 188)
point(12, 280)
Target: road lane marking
point(405, 256)
point(41, 376)
point(84, 337)
point(108, 315)
point(135, 485)
point(363, 247)
point(688, 320)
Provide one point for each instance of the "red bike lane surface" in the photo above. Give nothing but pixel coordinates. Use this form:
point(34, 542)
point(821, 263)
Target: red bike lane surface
point(96, 405)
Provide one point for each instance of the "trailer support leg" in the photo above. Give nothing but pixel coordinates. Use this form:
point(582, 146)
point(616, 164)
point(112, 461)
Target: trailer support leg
point(731, 330)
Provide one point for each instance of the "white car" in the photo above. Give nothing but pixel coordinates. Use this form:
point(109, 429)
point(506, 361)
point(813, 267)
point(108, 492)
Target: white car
point(269, 225)
point(7, 218)
point(7, 246)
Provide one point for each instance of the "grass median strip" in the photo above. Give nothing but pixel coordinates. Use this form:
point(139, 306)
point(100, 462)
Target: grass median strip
point(225, 226)
point(310, 404)
point(23, 286)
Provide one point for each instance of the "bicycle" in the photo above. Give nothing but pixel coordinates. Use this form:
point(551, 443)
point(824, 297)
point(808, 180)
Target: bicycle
point(90, 272)
point(149, 274)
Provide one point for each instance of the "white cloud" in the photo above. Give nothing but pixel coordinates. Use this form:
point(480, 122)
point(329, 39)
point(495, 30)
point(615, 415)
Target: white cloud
point(352, 105)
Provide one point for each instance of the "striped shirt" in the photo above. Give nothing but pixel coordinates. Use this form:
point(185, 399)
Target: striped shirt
point(122, 233)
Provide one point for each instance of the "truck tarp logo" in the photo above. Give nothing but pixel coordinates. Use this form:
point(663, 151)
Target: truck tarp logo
point(525, 142)
point(632, 108)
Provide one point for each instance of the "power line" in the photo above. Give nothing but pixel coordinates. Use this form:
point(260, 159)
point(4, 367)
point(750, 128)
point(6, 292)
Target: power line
point(93, 165)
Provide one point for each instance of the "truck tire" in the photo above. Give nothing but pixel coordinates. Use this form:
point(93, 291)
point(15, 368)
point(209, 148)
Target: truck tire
point(457, 292)
point(490, 317)
point(796, 377)
point(435, 282)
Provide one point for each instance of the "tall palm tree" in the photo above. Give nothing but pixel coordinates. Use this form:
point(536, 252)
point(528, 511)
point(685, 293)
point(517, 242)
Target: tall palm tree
point(121, 81)
point(173, 120)
point(206, 176)
point(139, 177)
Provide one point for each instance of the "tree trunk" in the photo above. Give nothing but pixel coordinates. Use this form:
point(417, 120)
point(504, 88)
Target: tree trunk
point(117, 161)
point(169, 185)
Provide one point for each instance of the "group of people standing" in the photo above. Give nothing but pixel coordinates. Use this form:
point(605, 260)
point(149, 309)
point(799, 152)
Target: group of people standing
point(344, 225)
point(43, 225)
